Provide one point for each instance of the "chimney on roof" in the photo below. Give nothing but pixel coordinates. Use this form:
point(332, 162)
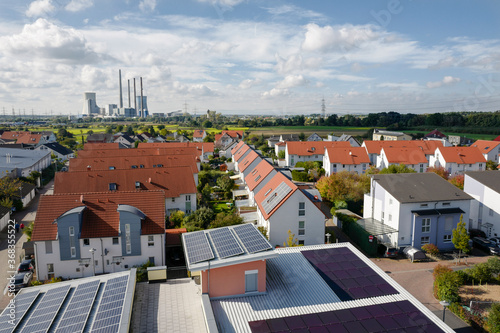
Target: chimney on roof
point(89, 167)
point(81, 199)
point(149, 180)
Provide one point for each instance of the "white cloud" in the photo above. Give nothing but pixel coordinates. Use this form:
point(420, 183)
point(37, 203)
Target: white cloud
point(275, 92)
point(79, 5)
point(223, 3)
point(40, 8)
point(195, 90)
point(292, 81)
point(147, 5)
point(447, 80)
point(249, 83)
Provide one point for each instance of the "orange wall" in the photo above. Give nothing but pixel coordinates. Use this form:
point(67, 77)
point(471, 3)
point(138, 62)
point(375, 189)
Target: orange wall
point(230, 280)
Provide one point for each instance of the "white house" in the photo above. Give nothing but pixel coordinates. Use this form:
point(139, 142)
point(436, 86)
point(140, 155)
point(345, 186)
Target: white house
point(457, 160)
point(297, 151)
point(354, 159)
point(484, 187)
point(411, 157)
point(489, 149)
point(382, 135)
point(58, 150)
point(199, 135)
point(21, 162)
point(314, 137)
point(75, 234)
point(414, 209)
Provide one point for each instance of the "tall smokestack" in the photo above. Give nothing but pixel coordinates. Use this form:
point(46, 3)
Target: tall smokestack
point(135, 99)
point(128, 81)
point(142, 100)
point(121, 97)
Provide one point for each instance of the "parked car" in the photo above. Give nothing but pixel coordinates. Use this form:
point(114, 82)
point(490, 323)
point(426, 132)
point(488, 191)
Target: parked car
point(476, 233)
point(26, 266)
point(485, 245)
point(495, 240)
point(391, 252)
point(22, 280)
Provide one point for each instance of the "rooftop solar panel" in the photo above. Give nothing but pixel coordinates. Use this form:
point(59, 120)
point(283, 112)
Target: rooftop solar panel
point(22, 303)
point(107, 318)
point(275, 197)
point(251, 238)
point(197, 247)
point(359, 320)
point(45, 312)
point(225, 243)
point(347, 275)
point(78, 309)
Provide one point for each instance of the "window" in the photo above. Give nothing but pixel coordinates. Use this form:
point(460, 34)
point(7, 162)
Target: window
point(267, 192)
point(48, 247)
point(302, 226)
point(448, 223)
point(115, 241)
point(128, 245)
point(160, 165)
point(151, 260)
point(72, 245)
point(173, 199)
point(50, 271)
point(446, 204)
point(301, 242)
point(390, 201)
point(151, 240)
point(258, 177)
point(423, 205)
point(426, 225)
point(134, 166)
point(141, 166)
point(382, 219)
point(424, 240)
point(491, 212)
point(137, 185)
point(112, 186)
point(480, 165)
point(390, 217)
point(86, 241)
point(188, 197)
point(107, 262)
point(447, 238)
point(251, 281)
point(302, 208)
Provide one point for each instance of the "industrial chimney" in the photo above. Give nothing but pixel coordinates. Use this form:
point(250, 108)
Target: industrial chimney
point(142, 101)
point(128, 81)
point(121, 97)
point(135, 99)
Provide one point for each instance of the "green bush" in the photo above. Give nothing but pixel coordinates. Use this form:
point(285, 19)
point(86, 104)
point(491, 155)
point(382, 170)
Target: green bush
point(142, 271)
point(440, 269)
point(300, 176)
point(430, 249)
point(480, 272)
point(464, 276)
point(446, 286)
point(494, 318)
point(494, 265)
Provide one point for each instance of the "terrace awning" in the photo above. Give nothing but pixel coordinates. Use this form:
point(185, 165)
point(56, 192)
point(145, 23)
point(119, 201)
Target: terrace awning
point(375, 227)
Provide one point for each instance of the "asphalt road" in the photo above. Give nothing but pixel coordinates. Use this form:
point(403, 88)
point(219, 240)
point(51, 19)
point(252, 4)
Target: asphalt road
point(26, 216)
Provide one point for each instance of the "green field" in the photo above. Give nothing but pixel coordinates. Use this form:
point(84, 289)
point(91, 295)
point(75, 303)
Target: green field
point(322, 131)
point(469, 135)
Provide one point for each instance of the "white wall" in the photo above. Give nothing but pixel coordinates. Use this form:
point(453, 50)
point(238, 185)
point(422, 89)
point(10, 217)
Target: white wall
point(485, 207)
point(179, 203)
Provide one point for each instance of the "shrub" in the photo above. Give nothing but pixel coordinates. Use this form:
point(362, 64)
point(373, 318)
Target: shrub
point(464, 276)
point(446, 286)
point(494, 318)
point(36, 283)
point(440, 269)
point(480, 272)
point(430, 249)
point(494, 265)
point(142, 271)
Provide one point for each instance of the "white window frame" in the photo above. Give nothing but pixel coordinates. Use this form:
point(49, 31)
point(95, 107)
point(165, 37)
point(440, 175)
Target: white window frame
point(188, 197)
point(302, 228)
point(151, 240)
point(250, 288)
point(447, 238)
point(424, 240)
point(50, 271)
point(426, 225)
point(72, 247)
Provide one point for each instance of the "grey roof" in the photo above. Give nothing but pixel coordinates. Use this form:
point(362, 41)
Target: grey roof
point(16, 145)
point(100, 137)
point(20, 158)
point(490, 178)
point(58, 148)
point(420, 187)
point(392, 133)
point(26, 188)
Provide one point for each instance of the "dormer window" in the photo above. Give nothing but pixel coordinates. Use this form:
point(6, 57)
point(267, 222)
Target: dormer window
point(112, 186)
point(111, 168)
point(137, 185)
point(134, 166)
point(141, 166)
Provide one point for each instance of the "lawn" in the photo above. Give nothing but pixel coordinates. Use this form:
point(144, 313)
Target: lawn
point(220, 206)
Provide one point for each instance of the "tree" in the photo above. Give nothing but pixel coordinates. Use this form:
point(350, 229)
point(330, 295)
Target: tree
point(440, 171)
point(28, 231)
point(460, 238)
point(9, 187)
point(343, 186)
point(223, 220)
point(458, 181)
point(291, 240)
point(302, 136)
point(199, 220)
point(491, 165)
point(226, 184)
point(281, 154)
point(494, 318)
point(393, 168)
point(176, 218)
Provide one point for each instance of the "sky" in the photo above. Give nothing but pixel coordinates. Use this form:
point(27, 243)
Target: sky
point(273, 57)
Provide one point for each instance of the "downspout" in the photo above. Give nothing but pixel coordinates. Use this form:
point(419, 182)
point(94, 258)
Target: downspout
point(36, 262)
point(208, 279)
point(437, 222)
point(373, 198)
point(102, 257)
point(163, 249)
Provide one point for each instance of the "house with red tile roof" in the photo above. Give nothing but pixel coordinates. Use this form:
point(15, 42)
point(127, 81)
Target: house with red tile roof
point(489, 149)
point(457, 160)
point(497, 138)
point(29, 138)
point(373, 148)
point(159, 151)
point(297, 151)
point(247, 162)
point(280, 146)
point(227, 137)
point(412, 157)
point(435, 134)
point(199, 135)
point(353, 159)
point(123, 229)
point(177, 184)
point(259, 176)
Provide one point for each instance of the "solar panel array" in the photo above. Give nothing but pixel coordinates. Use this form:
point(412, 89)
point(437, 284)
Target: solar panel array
point(347, 275)
point(251, 238)
point(45, 312)
point(399, 316)
point(197, 247)
point(225, 243)
point(108, 316)
point(275, 197)
point(22, 303)
point(76, 314)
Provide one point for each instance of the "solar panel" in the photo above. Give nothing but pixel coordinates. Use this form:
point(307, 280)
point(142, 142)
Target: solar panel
point(76, 314)
point(22, 304)
point(108, 316)
point(45, 312)
point(197, 247)
point(275, 197)
point(251, 238)
point(225, 243)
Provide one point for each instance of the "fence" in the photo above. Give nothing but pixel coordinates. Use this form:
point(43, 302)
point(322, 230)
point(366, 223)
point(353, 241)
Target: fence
point(358, 235)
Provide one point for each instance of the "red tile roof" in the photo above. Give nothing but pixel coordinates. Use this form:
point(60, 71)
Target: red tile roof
point(238, 146)
point(198, 134)
point(313, 147)
point(485, 146)
point(268, 189)
point(139, 152)
point(169, 145)
point(240, 153)
point(13, 135)
point(262, 169)
point(100, 218)
point(29, 139)
point(281, 143)
point(208, 147)
point(427, 146)
point(404, 155)
point(234, 134)
point(251, 156)
point(495, 139)
point(353, 155)
point(100, 146)
point(435, 134)
point(462, 155)
point(173, 181)
point(126, 162)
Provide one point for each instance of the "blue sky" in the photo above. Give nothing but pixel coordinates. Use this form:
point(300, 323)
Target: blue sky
point(253, 57)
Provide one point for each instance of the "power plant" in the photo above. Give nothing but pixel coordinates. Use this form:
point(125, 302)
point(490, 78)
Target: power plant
point(140, 109)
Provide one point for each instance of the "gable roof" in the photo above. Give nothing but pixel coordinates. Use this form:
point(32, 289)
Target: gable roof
point(100, 146)
point(198, 134)
point(30, 138)
point(100, 217)
point(240, 152)
point(139, 152)
point(172, 181)
point(420, 187)
point(495, 139)
point(58, 148)
point(427, 146)
point(208, 147)
point(266, 194)
point(245, 163)
point(489, 178)
point(352, 155)
point(404, 155)
point(462, 155)
point(435, 134)
point(258, 174)
point(234, 134)
point(313, 147)
point(238, 146)
point(100, 137)
point(485, 146)
point(289, 137)
point(13, 135)
point(124, 137)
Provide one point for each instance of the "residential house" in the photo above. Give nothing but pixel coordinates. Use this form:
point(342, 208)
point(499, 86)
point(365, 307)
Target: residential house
point(314, 137)
point(273, 140)
point(381, 135)
point(21, 162)
point(125, 140)
point(297, 151)
point(176, 183)
point(354, 159)
point(344, 137)
point(207, 149)
point(457, 160)
point(5, 213)
point(124, 229)
point(489, 149)
point(240, 154)
point(59, 151)
point(484, 187)
point(259, 176)
point(199, 135)
point(226, 150)
point(414, 209)
point(227, 137)
point(100, 138)
point(373, 148)
point(289, 137)
point(248, 163)
point(435, 134)
point(457, 140)
point(411, 157)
